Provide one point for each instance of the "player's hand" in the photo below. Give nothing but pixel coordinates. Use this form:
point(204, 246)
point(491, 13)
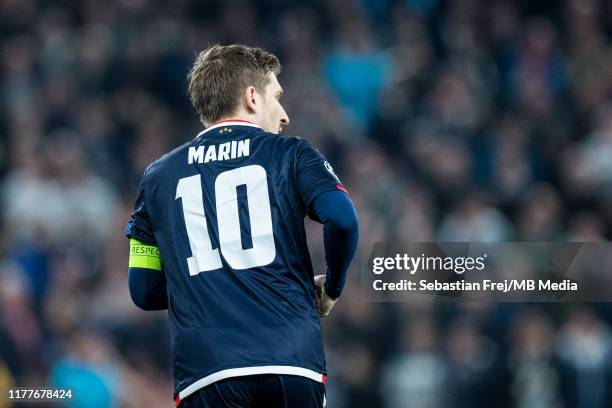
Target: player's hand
point(324, 302)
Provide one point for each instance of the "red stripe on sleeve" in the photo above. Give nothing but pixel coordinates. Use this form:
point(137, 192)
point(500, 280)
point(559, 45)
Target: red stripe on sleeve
point(177, 401)
point(341, 188)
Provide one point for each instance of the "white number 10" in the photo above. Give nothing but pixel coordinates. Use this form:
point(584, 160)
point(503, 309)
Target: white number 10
point(203, 256)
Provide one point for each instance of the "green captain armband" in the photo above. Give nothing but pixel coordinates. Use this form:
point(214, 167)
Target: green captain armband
point(144, 256)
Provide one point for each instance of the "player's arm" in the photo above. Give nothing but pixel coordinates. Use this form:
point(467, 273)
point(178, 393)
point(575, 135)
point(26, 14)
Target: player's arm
point(340, 235)
point(146, 277)
point(325, 200)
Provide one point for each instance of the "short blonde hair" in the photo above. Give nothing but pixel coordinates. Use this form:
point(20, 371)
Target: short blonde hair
point(221, 73)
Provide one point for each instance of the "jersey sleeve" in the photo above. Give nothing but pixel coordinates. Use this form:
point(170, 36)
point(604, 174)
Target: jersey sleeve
point(314, 174)
point(139, 226)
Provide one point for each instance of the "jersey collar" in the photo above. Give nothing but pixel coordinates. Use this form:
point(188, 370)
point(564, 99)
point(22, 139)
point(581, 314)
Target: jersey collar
point(229, 122)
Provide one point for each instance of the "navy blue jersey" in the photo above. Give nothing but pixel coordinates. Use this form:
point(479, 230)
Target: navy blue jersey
point(227, 213)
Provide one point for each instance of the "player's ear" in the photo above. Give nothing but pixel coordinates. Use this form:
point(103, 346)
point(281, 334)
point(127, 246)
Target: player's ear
point(250, 99)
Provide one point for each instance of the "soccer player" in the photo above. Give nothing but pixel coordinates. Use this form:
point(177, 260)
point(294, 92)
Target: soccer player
point(217, 237)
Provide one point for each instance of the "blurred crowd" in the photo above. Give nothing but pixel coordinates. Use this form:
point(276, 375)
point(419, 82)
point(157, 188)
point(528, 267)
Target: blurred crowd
point(446, 120)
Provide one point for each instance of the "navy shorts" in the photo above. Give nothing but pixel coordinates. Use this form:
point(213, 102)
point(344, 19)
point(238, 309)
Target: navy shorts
point(255, 391)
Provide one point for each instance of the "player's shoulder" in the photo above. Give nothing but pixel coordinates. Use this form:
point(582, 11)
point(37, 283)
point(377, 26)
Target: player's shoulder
point(300, 145)
point(160, 165)
point(289, 143)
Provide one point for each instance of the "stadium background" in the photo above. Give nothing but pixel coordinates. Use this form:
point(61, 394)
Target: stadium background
point(447, 120)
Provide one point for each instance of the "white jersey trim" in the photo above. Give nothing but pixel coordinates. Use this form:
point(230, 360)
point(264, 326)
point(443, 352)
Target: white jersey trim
point(227, 123)
point(242, 371)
